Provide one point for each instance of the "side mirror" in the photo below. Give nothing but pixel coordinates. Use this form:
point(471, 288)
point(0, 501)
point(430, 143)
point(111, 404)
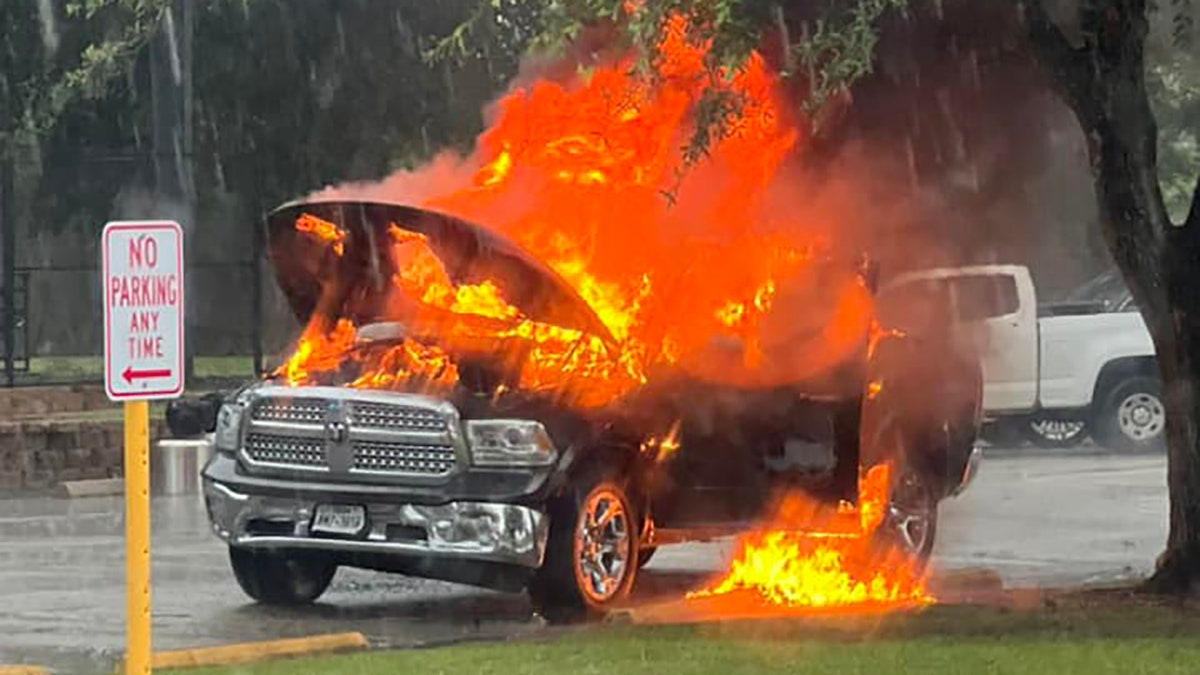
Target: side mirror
point(192, 418)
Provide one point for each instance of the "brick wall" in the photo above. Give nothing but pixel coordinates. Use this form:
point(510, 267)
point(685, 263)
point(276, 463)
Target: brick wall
point(40, 401)
point(39, 454)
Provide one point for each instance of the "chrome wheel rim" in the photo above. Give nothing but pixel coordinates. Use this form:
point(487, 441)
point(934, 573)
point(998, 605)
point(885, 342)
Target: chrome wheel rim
point(603, 545)
point(1141, 416)
point(910, 513)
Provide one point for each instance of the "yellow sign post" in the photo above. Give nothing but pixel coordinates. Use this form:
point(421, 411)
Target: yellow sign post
point(143, 361)
point(137, 537)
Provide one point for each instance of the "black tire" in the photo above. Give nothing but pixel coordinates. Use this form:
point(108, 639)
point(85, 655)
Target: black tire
point(1131, 415)
point(1054, 432)
point(274, 579)
point(645, 555)
point(560, 591)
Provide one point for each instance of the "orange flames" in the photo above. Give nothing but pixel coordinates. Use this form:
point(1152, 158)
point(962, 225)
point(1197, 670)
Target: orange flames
point(442, 318)
point(322, 231)
point(717, 277)
point(713, 279)
point(797, 570)
point(807, 557)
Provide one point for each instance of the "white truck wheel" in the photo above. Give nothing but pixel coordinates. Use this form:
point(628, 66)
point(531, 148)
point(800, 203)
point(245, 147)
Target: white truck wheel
point(1132, 415)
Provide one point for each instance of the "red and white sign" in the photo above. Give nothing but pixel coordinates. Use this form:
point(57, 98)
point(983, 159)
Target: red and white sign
point(143, 310)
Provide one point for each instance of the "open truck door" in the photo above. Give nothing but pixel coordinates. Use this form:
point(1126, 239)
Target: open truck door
point(992, 308)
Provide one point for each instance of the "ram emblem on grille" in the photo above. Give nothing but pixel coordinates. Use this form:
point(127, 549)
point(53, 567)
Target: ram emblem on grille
point(337, 435)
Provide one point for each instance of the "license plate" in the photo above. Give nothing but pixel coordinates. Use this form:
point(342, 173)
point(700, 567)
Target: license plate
point(339, 519)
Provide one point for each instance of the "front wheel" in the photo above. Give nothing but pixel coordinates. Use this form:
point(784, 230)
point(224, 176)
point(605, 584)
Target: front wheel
point(1132, 415)
point(908, 523)
point(910, 520)
point(592, 554)
point(275, 579)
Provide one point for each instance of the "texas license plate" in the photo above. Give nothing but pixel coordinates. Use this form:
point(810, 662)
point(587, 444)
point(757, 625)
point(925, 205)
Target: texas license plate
point(339, 519)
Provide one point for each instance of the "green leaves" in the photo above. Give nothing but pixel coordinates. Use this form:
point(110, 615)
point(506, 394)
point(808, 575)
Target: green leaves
point(1173, 84)
point(115, 31)
point(841, 48)
point(831, 51)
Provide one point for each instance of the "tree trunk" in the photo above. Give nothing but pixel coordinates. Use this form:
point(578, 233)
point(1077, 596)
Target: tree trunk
point(1102, 78)
point(1177, 342)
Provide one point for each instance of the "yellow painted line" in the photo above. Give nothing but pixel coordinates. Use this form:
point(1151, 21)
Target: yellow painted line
point(255, 651)
point(23, 670)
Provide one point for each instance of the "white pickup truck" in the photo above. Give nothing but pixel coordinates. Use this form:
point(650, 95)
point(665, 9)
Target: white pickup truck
point(1058, 371)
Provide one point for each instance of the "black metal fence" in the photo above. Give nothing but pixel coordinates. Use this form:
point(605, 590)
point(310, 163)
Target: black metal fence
point(51, 315)
point(14, 310)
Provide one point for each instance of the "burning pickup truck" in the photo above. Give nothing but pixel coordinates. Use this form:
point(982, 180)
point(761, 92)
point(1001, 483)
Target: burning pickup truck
point(456, 410)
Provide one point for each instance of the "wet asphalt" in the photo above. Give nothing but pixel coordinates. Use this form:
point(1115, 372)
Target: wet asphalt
point(1036, 518)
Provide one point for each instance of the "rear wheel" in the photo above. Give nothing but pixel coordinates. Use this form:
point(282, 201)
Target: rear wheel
point(592, 554)
point(1132, 415)
point(275, 579)
point(1053, 432)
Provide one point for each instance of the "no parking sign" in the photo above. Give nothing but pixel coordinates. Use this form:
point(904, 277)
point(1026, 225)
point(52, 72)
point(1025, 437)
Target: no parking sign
point(143, 310)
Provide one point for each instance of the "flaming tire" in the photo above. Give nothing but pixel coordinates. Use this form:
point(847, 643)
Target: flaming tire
point(592, 556)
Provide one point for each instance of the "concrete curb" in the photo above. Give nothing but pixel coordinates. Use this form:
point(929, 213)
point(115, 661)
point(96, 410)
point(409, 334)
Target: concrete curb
point(247, 652)
point(101, 487)
point(23, 670)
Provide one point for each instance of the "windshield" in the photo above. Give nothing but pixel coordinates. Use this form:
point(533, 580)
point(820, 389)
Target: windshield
point(1107, 288)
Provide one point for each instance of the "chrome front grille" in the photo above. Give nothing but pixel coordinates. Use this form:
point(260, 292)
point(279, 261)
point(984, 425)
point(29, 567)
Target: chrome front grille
point(300, 410)
point(432, 460)
point(383, 416)
point(347, 434)
point(285, 450)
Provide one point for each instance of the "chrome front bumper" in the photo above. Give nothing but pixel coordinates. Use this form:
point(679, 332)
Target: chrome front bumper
point(498, 533)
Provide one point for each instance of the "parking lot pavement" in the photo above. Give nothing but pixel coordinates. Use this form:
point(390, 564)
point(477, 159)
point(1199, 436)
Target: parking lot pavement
point(1062, 518)
point(1037, 518)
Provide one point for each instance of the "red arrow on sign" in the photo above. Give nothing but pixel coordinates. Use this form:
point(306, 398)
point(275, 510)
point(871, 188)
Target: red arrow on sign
point(130, 374)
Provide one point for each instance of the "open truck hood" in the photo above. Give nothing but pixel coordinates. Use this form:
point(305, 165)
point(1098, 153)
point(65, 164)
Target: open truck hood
point(355, 281)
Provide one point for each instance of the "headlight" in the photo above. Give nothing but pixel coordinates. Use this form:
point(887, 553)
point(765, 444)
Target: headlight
point(509, 443)
point(229, 424)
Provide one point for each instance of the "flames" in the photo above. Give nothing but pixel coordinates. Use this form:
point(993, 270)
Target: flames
point(798, 570)
point(709, 268)
point(441, 318)
point(323, 231)
point(702, 267)
point(807, 557)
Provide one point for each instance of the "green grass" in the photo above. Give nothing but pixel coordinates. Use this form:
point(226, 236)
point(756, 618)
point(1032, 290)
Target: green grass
point(942, 641)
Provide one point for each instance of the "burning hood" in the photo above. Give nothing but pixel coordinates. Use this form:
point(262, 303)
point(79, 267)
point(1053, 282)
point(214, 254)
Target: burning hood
point(338, 258)
point(401, 297)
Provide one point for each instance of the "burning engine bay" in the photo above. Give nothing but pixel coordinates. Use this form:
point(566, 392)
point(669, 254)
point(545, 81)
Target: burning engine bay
point(591, 369)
